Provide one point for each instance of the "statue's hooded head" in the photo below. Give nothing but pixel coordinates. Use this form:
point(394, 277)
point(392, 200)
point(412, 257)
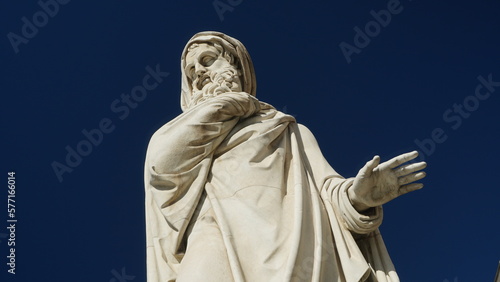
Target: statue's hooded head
point(213, 63)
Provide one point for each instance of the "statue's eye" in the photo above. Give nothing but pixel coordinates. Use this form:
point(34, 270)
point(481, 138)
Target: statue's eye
point(207, 61)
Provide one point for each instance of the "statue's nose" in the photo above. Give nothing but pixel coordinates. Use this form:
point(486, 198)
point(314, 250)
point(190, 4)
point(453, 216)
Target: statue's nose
point(200, 69)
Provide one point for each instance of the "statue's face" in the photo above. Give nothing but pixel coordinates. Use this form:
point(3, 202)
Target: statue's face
point(210, 73)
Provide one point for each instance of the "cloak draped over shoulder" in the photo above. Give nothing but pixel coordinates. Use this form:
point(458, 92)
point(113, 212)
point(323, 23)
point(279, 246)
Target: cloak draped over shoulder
point(282, 211)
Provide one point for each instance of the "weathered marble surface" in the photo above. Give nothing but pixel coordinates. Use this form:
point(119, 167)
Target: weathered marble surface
point(238, 191)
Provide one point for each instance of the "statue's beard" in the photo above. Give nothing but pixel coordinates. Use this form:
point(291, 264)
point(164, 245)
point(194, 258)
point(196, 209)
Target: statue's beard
point(215, 83)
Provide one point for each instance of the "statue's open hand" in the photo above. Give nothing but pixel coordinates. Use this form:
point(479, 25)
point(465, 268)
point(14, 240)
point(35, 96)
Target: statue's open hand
point(377, 184)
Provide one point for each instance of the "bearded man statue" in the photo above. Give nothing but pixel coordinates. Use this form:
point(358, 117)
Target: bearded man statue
point(238, 191)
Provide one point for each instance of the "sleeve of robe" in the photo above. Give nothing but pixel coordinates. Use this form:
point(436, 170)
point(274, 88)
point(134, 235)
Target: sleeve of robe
point(178, 161)
point(359, 243)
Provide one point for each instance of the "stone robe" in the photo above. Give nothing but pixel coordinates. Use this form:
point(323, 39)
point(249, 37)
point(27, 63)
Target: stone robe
point(238, 191)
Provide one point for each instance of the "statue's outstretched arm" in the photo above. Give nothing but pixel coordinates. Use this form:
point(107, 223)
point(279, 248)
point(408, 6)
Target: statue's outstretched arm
point(378, 183)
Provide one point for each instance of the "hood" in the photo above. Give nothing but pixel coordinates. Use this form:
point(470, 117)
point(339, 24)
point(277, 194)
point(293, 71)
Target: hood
point(230, 44)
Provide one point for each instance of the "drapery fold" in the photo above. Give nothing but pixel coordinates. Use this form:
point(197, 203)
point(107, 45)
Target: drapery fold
point(282, 211)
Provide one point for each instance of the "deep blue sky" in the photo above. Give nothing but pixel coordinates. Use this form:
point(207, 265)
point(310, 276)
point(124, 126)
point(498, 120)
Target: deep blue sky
point(394, 91)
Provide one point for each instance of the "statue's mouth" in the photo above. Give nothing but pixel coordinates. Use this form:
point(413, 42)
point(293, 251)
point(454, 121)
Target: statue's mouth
point(204, 80)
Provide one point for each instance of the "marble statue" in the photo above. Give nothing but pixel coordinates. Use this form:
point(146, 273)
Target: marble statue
point(238, 191)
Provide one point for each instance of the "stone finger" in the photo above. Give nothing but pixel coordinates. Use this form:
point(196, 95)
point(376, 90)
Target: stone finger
point(411, 178)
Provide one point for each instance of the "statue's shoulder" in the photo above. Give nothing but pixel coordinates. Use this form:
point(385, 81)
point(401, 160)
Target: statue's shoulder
point(304, 131)
point(306, 135)
point(163, 133)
